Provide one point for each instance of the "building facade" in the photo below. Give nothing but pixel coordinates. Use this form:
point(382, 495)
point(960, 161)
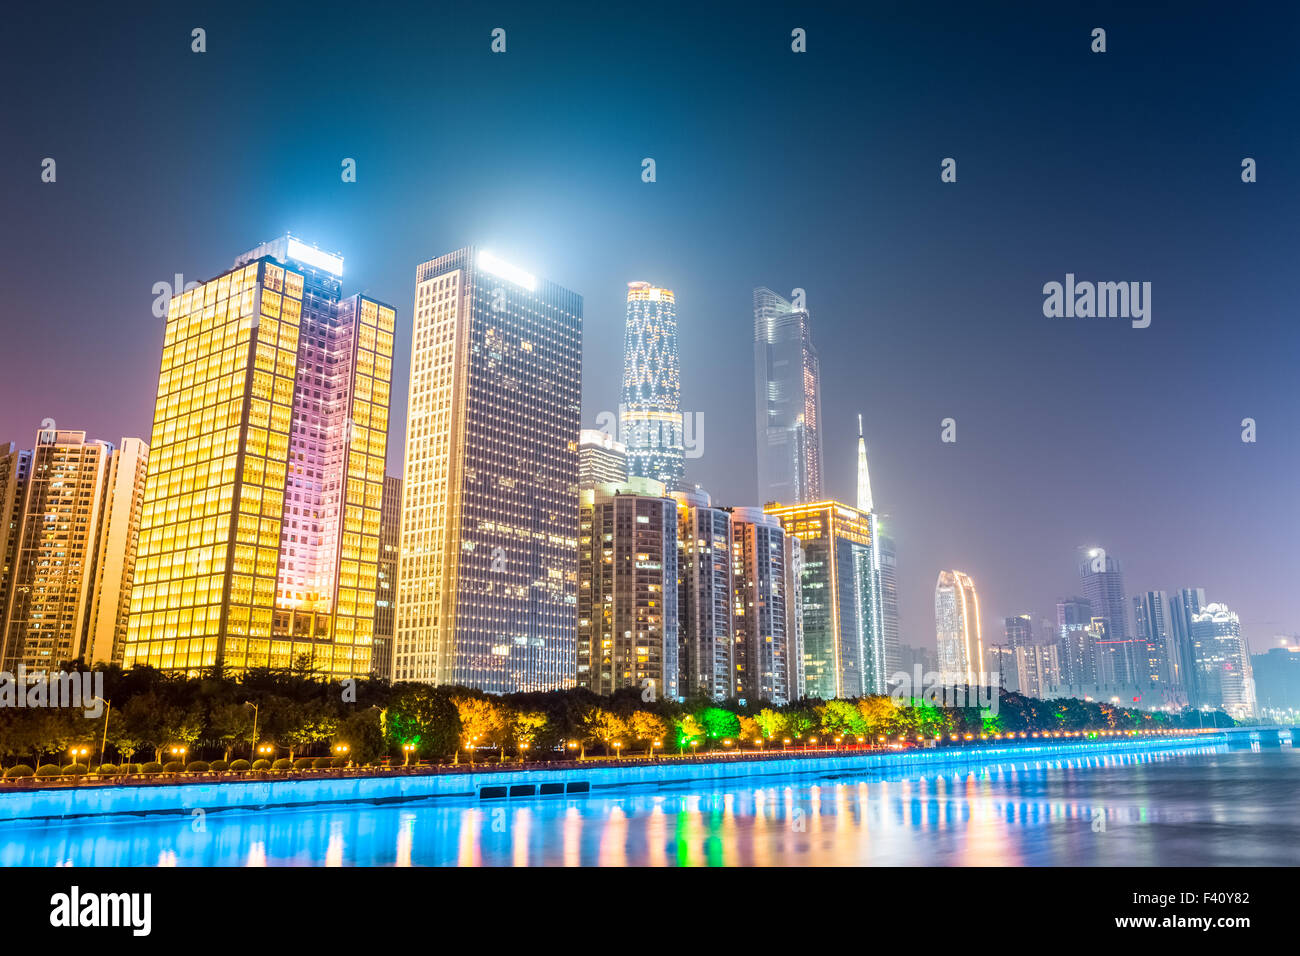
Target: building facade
point(650, 413)
point(1224, 675)
point(767, 610)
point(707, 654)
point(628, 589)
point(15, 465)
point(117, 548)
point(390, 541)
point(787, 401)
point(260, 527)
point(489, 552)
point(959, 640)
point(49, 620)
point(601, 459)
point(843, 646)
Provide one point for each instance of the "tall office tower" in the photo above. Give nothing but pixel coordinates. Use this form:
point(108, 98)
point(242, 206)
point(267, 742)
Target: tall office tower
point(889, 626)
point(1073, 617)
point(489, 556)
point(390, 540)
point(628, 589)
point(259, 536)
point(1154, 640)
point(794, 657)
point(709, 665)
point(49, 617)
point(957, 629)
point(787, 401)
point(764, 647)
point(118, 544)
point(1103, 586)
point(843, 644)
point(1018, 631)
point(15, 464)
point(1038, 669)
point(1183, 606)
point(650, 414)
point(601, 459)
point(1224, 674)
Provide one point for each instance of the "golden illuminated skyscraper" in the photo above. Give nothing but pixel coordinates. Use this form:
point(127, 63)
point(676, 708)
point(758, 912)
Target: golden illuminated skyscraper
point(489, 556)
point(259, 536)
point(957, 627)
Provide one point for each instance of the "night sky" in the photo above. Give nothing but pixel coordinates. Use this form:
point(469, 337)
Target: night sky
point(816, 170)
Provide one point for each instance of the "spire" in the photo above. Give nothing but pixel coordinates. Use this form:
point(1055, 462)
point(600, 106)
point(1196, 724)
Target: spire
point(864, 478)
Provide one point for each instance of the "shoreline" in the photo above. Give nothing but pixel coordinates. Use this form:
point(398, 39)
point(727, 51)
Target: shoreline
point(269, 791)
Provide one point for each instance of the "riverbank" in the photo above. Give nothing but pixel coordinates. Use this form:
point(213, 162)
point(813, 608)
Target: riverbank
point(212, 794)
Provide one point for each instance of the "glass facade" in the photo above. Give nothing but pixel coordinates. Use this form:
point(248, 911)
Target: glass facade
point(260, 527)
point(843, 647)
point(650, 414)
point(787, 400)
point(957, 625)
point(709, 665)
point(762, 594)
point(490, 511)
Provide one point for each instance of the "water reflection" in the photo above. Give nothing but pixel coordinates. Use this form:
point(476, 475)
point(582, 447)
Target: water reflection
point(1207, 806)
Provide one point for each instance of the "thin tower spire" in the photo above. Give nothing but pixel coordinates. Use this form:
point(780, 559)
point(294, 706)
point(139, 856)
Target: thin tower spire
point(864, 477)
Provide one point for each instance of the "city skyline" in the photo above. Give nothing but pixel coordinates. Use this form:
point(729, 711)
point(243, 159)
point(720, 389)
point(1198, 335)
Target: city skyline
point(1021, 471)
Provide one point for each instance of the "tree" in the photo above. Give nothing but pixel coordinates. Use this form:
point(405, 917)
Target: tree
point(643, 725)
point(229, 724)
point(771, 723)
point(749, 732)
point(718, 723)
point(425, 717)
point(482, 720)
point(603, 726)
point(689, 731)
point(362, 733)
point(841, 718)
point(524, 728)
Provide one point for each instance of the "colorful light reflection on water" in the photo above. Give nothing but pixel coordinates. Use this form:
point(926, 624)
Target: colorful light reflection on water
point(1201, 807)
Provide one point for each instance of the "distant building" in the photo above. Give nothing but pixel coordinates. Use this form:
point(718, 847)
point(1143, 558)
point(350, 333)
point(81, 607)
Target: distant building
point(1038, 669)
point(957, 628)
point(787, 390)
point(1103, 586)
point(1018, 631)
point(628, 589)
point(1222, 660)
point(1277, 682)
point(889, 623)
point(390, 543)
point(650, 413)
point(1183, 606)
point(601, 459)
point(1158, 659)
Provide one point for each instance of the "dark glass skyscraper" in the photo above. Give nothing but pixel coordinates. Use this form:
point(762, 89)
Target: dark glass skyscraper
point(489, 558)
point(650, 413)
point(1103, 586)
point(787, 402)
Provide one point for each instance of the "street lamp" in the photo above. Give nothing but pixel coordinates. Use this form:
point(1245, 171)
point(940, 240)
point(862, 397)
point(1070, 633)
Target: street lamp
point(179, 751)
point(409, 748)
point(76, 752)
point(108, 708)
point(249, 703)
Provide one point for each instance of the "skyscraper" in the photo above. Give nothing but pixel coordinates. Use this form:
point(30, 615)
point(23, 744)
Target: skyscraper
point(14, 467)
point(628, 589)
point(650, 413)
point(957, 629)
point(706, 657)
point(1225, 678)
point(843, 647)
point(601, 459)
point(49, 618)
point(1103, 586)
point(386, 582)
point(260, 529)
point(117, 548)
point(864, 473)
point(889, 626)
point(787, 400)
point(1018, 631)
point(489, 555)
point(1183, 607)
point(1154, 640)
point(765, 584)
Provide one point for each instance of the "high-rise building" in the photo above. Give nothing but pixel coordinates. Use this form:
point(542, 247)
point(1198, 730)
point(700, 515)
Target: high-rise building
point(1000, 668)
point(795, 656)
point(1038, 669)
point(707, 657)
point(767, 633)
point(390, 542)
point(843, 645)
point(787, 398)
point(1154, 639)
point(489, 554)
point(889, 626)
point(1222, 661)
point(1018, 631)
point(957, 629)
point(48, 620)
point(1074, 643)
point(259, 534)
point(117, 548)
point(601, 459)
point(1183, 606)
point(628, 589)
point(650, 413)
point(1103, 586)
point(14, 467)
point(864, 473)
